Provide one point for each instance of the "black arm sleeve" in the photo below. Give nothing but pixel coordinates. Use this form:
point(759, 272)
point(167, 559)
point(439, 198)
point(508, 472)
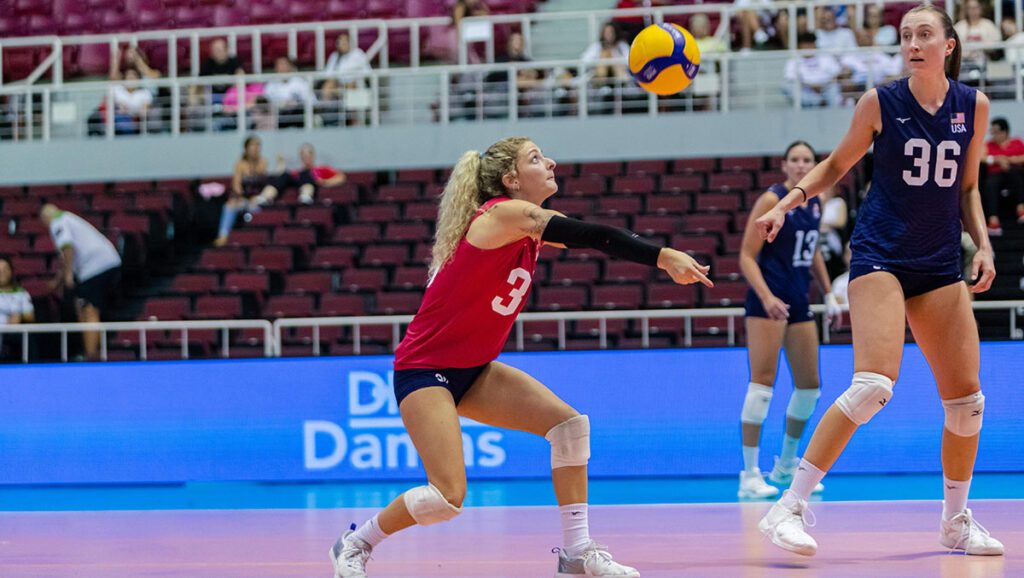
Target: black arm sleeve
point(615, 242)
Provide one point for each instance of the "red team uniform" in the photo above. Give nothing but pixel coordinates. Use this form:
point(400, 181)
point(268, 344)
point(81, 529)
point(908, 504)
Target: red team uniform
point(466, 314)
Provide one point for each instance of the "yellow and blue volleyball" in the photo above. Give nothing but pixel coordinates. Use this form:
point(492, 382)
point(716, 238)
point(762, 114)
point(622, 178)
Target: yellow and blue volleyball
point(664, 58)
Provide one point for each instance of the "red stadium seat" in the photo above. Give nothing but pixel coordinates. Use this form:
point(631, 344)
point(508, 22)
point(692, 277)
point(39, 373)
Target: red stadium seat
point(674, 204)
point(359, 233)
point(314, 282)
point(629, 296)
point(273, 259)
point(289, 306)
point(681, 183)
point(414, 232)
point(671, 296)
point(332, 257)
point(384, 255)
point(560, 298)
point(574, 273)
point(246, 282)
point(195, 283)
point(167, 308)
point(618, 271)
point(342, 305)
point(410, 278)
point(222, 259)
point(725, 293)
point(398, 302)
point(364, 279)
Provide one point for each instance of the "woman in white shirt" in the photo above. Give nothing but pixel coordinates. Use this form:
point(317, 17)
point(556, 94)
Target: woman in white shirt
point(289, 95)
point(975, 28)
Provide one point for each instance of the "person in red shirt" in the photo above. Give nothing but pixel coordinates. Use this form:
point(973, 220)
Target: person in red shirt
point(307, 179)
point(1005, 173)
point(490, 230)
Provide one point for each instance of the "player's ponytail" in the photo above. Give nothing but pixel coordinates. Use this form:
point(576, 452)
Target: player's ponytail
point(476, 178)
point(953, 60)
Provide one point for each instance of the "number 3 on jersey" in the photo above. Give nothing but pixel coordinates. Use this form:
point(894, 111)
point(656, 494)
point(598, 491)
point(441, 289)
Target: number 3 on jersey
point(520, 280)
point(945, 164)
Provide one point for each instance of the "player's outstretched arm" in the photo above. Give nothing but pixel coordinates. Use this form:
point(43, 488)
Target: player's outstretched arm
point(515, 219)
point(866, 123)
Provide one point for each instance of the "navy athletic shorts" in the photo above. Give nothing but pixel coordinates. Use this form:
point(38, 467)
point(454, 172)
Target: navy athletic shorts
point(913, 284)
point(455, 380)
point(799, 307)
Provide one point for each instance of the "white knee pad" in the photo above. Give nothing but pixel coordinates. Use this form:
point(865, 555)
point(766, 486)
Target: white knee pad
point(570, 442)
point(428, 506)
point(755, 405)
point(867, 394)
point(963, 415)
point(802, 403)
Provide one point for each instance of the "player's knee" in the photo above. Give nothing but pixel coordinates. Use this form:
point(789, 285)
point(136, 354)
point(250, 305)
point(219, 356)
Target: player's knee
point(430, 505)
point(866, 396)
point(570, 442)
point(755, 404)
point(964, 414)
point(802, 403)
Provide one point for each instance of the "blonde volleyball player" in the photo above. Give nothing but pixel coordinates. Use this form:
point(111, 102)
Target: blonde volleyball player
point(490, 230)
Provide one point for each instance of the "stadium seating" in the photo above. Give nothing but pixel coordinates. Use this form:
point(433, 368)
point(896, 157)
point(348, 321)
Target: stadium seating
point(363, 249)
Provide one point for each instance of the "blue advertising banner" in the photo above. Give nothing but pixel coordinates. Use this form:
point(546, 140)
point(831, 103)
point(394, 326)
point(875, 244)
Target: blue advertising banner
point(653, 413)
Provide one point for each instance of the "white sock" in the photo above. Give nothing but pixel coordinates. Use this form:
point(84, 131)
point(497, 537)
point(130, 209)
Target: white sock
point(575, 528)
point(954, 494)
point(370, 532)
point(750, 457)
point(789, 447)
point(806, 477)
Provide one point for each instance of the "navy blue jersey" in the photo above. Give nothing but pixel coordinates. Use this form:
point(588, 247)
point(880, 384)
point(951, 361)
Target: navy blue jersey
point(910, 220)
point(786, 262)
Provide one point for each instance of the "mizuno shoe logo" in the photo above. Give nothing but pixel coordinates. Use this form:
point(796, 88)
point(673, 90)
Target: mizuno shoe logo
point(949, 487)
point(976, 412)
point(883, 401)
point(902, 120)
point(801, 468)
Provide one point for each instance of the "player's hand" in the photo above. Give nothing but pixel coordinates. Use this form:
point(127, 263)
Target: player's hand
point(983, 271)
point(769, 224)
point(775, 308)
point(682, 268)
point(832, 310)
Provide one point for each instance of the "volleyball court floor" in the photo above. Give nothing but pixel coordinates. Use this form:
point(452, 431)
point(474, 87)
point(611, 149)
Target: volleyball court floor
point(866, 526)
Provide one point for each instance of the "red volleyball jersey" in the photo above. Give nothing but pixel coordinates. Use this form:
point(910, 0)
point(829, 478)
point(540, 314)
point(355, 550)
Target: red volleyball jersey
point(470, 305)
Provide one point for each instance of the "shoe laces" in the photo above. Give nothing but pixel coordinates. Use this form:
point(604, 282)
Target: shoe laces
point(805, 514)
point(966, 533)
point(355, 550)
point(593, 549)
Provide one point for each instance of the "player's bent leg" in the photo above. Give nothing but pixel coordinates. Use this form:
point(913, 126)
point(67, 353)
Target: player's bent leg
point(944, 327)
point(506, 397)
point(431, 419)
point(801, 347)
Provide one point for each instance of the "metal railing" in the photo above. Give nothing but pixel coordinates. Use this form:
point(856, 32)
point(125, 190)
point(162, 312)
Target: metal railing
point(443, 94)
point(378, 51)
point(142, 327)
point(273, 334)
point(644, 316)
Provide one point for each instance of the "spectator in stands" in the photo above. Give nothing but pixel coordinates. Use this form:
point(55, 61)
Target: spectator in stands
point(15, 307)
point(250, 175)
point(90, 268)
point(289, 95)
point(1005, 174)
point(156, 117)
point(307, 179)
point(755, 21)
point(350, 65)
point(219, 63)
point(131, 103)
point(974, 27)
point(829, 35)
point(700, 28)
point(528, 82)
point(445, 45)
point(602, 75)
point(864, 69)
point(816, 74)
point(875, 31)
point(1015, 52)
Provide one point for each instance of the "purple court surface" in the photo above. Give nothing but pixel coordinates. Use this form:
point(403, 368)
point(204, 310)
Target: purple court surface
point(856, 539)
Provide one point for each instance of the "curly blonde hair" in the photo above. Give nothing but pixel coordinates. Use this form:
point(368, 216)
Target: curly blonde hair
point(475, 179)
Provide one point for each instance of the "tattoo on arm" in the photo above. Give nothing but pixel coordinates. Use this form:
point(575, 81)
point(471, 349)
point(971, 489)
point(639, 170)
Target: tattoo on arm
point(536, 221)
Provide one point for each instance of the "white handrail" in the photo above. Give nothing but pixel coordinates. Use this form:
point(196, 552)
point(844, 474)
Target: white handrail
point(273, 332)
point(642, 315)
point(398, 92)
point(224, 326)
